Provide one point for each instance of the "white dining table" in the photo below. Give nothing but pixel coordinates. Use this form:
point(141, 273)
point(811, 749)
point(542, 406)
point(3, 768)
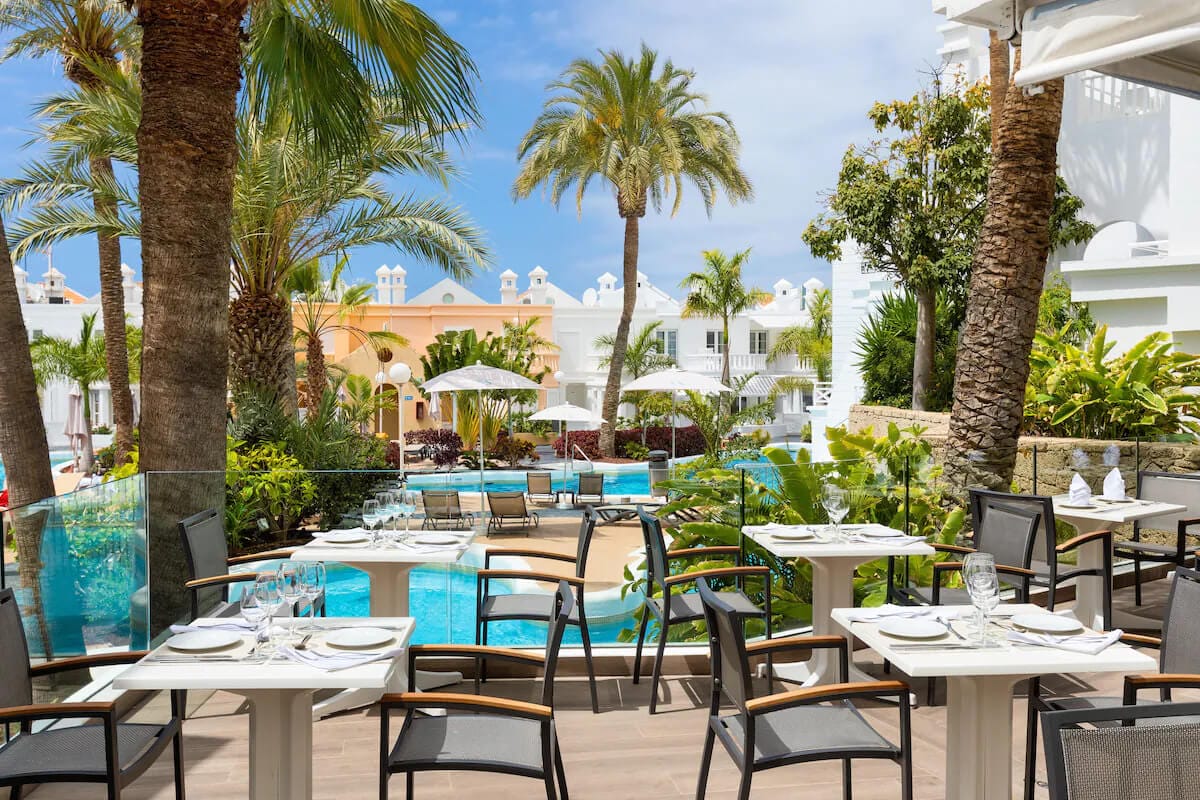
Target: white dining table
point(388, 569)
point(280, 695)
point(834, 564)
point(979, 682)
point(1106, 516)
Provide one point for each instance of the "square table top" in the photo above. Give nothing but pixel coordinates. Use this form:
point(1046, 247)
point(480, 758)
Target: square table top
point(276, 673)
point(365, 553)
point(822, 547)
point(957, 661)
point(1115, 513)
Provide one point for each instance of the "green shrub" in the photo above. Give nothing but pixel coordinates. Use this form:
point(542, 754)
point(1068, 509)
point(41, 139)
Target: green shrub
point(886, 347)
point(637, 451)
point(514, 451)
point(271, 484)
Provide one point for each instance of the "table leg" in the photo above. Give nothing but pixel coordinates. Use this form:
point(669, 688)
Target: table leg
point(280, 744)
point(979, 730)
point(1089, 589)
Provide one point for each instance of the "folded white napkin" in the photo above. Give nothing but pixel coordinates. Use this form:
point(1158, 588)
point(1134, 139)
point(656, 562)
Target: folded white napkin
point(333, 660)
point(1080, 493)
point(774, 527)
point(233, 624)
point(323, 534)
point(1114, 485)
point(892, 540)
point(1086, 643)
point(905, 612)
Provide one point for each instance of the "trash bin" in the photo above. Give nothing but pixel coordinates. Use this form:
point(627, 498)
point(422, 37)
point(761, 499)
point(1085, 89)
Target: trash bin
point(659, 471)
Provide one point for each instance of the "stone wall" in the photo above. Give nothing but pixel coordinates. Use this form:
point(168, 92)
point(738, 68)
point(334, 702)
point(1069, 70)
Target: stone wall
point(937, 423)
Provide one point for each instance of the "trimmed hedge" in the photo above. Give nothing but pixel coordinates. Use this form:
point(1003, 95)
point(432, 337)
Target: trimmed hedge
point(688, 441)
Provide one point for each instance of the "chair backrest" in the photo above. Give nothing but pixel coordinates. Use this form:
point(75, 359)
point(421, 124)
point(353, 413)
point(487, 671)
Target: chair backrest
point(507, 504)
point(1181, 624)
point(204, 545)
point(441, 503)
point(983, 500)
point(1169, 487)
point(1148, 752)
point(656, 552)
point(16, 689)
point(537, 482)
point(587, 526)
point(730, 664)
point(564, 602)
point(591, 483)
point(1007, 533)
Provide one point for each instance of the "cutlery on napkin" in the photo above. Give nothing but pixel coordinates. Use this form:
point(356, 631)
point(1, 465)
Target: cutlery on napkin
point(907, 612)
point(1080, 494)
point(233, 625)
point(1087, 643)
point(331, 661)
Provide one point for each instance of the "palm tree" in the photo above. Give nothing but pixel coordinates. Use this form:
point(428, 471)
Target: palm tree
point(83, 33)
point(643, 131)
point(812, 342)
point(643, 355)
point(718, 292)
point(324, 306)
point(80, 362)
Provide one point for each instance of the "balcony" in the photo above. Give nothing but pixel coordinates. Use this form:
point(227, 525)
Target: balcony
point(739, 363)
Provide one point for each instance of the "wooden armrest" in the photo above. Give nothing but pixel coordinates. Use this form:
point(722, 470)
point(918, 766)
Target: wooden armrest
point(947, 566)
point(487, 555)
point(1083, 538)
point(55, 711)
point(266, 555)
point(1140, 640)
point(952, 548)
point(96, 660)
point(716, 572)
point(1163, 681)
point(474, 651)
point(716, 550)
point(1004, 569)
point(484, 574)
point(470, 702)
point(220, 580)
point(835, 691)
point(795, 643)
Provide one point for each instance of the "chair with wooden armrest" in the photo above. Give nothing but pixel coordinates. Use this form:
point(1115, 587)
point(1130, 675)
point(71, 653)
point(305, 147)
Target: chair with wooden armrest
point(1123, 752)
point(484, 734)
point(110, 752)
point(1178, 665)
point(207, 554)
point(530, 606)
point(1163, 487)
point(815, 724)
point(669, 607)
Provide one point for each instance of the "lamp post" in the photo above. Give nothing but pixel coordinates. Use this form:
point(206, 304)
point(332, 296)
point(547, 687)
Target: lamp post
point(380, 380)
point(400, 373)
point(558, 379)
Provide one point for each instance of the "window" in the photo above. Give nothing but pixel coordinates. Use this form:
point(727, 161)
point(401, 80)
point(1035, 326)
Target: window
point(758, 343)
point(668, 342)
point(448, 298)
point(714, 341)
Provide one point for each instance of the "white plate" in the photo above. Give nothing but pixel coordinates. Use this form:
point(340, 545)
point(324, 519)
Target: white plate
point(880, 533)
point(436, 538)
point(1077, 505)
point(793, 535)
point(357, 638)
point(200, 641)
point(908, 628)
point(1042, 622)
point(344, 537)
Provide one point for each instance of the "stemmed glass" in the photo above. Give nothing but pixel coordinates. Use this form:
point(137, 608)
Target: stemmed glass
point(983, 585)
point(389, 510)
point(292, 590)
point(407, 508)
point(836, 505)
point(270, 600)
point(312, 581)
point(370, 515)
point(252, 611)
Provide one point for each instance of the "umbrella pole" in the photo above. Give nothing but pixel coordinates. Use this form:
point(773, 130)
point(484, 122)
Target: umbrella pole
point(674, 424)
point(479, 419)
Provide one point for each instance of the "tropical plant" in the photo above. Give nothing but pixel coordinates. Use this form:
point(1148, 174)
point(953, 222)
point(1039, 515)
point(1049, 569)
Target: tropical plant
point(325, 305)
point(1059, 315)
point(1081, 392)
point(719, 292)
point(513, 452)
point(885, 352)
point(643, 355)
point(715, 422)
point(443, 445)
point(84, 35)
point(642, 130)
point(271, 484)
point(812, 342)
point(687, 440)
point(360, 403)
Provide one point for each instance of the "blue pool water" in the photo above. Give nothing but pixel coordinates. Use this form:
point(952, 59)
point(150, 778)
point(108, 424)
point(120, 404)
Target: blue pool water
point(56, 458)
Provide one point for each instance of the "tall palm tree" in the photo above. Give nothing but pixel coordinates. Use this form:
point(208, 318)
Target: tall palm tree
point(643, 355)
point(812, 342)
point(324, 306)
point(719, 292)
point(643, 131)
point(83, 33)
point(81, 362)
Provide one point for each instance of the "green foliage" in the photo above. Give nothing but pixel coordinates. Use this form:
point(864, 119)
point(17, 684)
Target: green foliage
point(886, 346)
point(271, 483)
point(637, 451)
point(521, 423)
point(1058, 313)
point(719, 292)
point(812, 342)
point(643, 356)
point(1079, 391)
point(514, 452)
point(362, 404)
point(715, 422)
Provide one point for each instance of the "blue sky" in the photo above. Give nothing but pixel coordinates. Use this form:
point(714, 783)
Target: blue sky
point(797, 77)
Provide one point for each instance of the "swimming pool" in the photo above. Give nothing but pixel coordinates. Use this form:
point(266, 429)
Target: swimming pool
point(56, 457)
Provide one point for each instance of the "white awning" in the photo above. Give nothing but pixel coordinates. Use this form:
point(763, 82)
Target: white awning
point(1153, 42)
point(758, 386)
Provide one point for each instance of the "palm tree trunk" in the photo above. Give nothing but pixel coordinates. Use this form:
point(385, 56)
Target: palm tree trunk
point(261, 352)
point(187, 150)
point(316, 375)
point(1006, 285)
point(998, 73)
point(924, 345)
point(23, 447)
point(616, 362)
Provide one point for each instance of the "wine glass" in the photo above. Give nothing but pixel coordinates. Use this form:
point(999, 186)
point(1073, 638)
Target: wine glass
point(370, 515)
point(252, 611)
point(836, 505)
point(292, 589)
point(408, 508)
point(270, 599)
point(983, 586)
point(312, 581)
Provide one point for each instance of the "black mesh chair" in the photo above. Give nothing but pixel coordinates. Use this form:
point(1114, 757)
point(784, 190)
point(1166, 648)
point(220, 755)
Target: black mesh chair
point(591, 486)
point(671, 607)
point(207, 554)
point(482, 734)
point(108, 751)
point(1178, 665)
point(1049, 570)
point(1163, 487)
point(816, 724)
point(527, 606)
point(1124, 752)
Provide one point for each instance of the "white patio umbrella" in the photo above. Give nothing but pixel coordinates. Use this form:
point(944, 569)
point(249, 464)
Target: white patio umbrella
point(566, 412)
point(676, 380)
point(76, 430)
point(478, 378)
